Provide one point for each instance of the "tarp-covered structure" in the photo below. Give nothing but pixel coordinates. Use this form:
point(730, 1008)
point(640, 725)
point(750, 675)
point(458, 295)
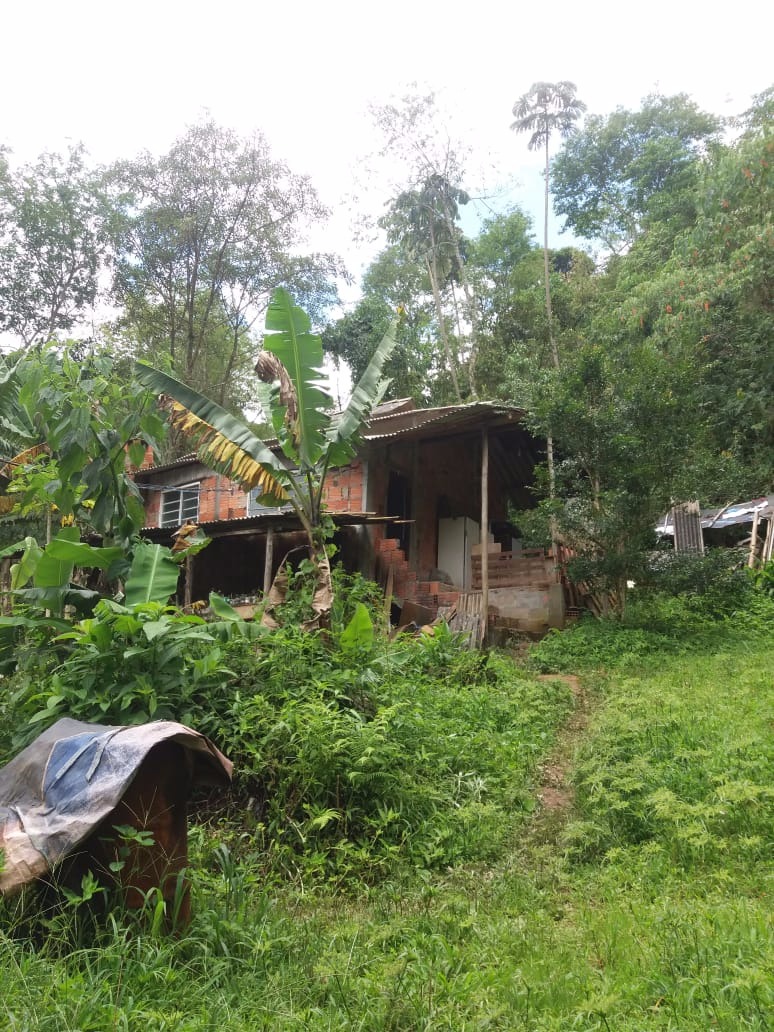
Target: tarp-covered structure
point(59, 789)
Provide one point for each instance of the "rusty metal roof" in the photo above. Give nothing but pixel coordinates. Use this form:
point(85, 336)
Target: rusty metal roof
point(401, 419)
point(280, 520)
point(184, 460)
point(446, 419)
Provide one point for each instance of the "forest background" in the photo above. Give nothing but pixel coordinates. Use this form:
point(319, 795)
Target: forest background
point(641, 352)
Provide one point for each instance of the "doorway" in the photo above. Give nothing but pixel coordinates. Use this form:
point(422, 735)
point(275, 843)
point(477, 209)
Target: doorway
point(399, 504)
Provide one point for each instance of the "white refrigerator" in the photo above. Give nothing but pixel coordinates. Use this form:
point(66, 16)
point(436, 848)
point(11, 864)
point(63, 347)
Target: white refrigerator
point(456, 537)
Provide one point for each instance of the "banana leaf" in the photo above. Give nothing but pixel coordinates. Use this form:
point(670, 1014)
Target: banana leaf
point(224, 442)
point(222, 609)
point(82, 554)
point(152, 576)
point(54, 571)
point(300, 352)
point(23, 571)
point(56, 597)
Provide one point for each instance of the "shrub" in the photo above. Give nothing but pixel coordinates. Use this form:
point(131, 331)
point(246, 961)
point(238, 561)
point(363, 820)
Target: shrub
point(125, 666)
point(655, 624)
point(353, 760)
point(763, 578)
point(715, 584)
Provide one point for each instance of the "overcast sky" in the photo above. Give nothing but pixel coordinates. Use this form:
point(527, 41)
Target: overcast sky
point(122, 77)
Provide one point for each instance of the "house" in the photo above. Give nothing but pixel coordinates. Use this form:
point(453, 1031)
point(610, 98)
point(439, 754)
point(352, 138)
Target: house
point(408, 511)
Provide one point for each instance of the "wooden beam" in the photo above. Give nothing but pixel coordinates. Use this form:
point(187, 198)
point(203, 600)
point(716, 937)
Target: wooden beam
point(754, 541)
point(269, 561)
point(485, 532)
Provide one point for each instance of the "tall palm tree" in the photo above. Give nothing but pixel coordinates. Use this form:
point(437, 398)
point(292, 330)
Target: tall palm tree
point(547, 108)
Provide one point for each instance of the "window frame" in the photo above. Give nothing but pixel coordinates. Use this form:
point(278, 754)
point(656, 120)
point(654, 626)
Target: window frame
point(254, 508)
point(181, 517)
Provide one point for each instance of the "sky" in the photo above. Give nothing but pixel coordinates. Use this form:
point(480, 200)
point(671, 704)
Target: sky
point(124, 77)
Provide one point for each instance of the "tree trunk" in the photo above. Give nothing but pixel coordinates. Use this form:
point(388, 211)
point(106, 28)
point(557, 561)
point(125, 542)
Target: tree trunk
point(431, 272)
point(549, 313)
point(555, 361)
point(470, 304)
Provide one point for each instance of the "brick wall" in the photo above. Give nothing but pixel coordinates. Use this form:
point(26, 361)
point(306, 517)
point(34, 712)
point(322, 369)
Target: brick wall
point(221, 499)
point(344, 489)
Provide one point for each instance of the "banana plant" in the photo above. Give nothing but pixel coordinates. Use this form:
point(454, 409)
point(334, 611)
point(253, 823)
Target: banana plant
point(312, 437)
point(150, 574)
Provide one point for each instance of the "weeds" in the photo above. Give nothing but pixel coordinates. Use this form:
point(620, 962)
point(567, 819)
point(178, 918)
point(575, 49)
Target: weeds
point(377, 875)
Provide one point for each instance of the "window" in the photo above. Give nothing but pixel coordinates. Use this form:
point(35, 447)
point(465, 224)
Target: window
point(180, 505)
point(254, 508)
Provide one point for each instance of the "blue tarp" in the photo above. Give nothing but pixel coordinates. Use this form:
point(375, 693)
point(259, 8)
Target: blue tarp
point(60, 788)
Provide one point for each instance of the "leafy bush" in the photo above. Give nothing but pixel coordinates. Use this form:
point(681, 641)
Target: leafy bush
point(763, 578)
point(714, 584)
point(125, 665)
point(352, 753)
point(655, 624)
point(354, 760)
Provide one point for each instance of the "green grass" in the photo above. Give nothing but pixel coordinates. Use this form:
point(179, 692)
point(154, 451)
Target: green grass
point(648, 907)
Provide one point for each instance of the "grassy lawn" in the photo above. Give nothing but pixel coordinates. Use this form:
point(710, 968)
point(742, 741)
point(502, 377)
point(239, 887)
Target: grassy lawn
point(643, 903)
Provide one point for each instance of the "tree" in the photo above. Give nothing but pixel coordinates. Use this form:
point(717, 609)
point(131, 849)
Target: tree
point(544, 109)
point(666, 392)
point(202, 235)
point(498, 259)
point(392, 283)
point(547, 108)
point(86, 421)
point(51, 245)
point(632, 169)
point(509, 270)
point(311, 437)
point(90, 421)
point(710, 301)
point(624, 445)
point(423, 221)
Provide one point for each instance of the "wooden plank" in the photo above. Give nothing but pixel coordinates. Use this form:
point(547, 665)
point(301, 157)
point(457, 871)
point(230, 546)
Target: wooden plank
point(511, 569)
point(484, 558)
point(467, 617)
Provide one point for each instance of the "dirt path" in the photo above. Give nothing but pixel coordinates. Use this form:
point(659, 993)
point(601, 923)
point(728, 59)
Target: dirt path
point(554, 791)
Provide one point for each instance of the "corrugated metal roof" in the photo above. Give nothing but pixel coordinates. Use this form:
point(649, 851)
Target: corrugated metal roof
point(446, 418)
point(720, 516)
point(286, 520)
point(401, 419)
point(184, 460)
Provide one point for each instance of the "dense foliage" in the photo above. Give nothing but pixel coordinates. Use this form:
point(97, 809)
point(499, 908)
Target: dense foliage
point(648, 369)
point(353, 757)
point(642, 903)
point(656, 348)
point(412, 840)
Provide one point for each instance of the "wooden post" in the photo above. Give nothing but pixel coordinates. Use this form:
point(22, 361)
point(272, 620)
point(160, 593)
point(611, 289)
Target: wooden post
point(269, 561)
point(485, 533)
point(754, 540)
point(189, 572)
